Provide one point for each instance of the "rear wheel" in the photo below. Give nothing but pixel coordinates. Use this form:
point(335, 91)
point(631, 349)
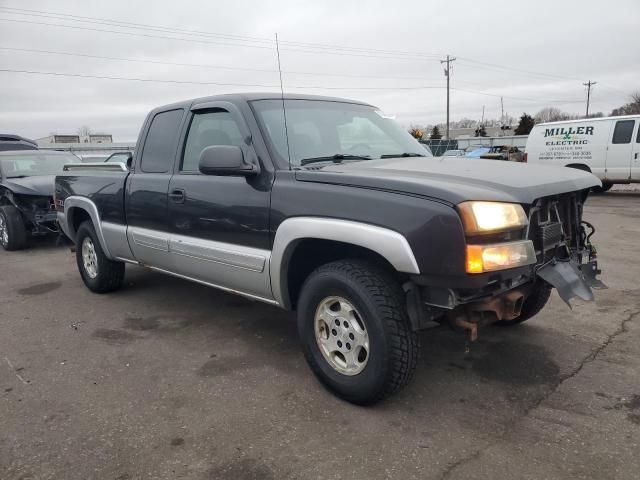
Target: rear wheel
point(355, 332)
point(604, 188)
point(98, 273)
point(13, 233)
point(532, 305)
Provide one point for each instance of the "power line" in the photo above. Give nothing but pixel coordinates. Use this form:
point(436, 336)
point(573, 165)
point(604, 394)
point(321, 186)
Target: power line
point(528, 99)
point(103, 21)
point(303, 46)
point(298, 87)
point(200, 65)
point(190, 82)
point(336, 51)
point(526, 73)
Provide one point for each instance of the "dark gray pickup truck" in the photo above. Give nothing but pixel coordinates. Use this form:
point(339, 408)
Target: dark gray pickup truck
point(327, 207)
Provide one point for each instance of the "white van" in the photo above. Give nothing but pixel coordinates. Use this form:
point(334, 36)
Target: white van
point(608, 147)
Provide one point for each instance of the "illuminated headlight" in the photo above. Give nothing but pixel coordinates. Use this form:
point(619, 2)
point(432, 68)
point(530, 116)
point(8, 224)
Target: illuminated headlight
point(487, 217)
point(489, 258)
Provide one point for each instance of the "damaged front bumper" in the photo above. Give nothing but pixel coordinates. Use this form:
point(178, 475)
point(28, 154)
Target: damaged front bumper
point(566, 261)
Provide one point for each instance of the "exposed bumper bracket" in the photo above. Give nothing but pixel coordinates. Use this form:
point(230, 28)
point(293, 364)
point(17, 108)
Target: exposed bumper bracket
point(572, 280)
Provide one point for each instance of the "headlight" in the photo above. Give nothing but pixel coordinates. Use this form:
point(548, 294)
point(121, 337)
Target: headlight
point(487, 217)
point(488, 258)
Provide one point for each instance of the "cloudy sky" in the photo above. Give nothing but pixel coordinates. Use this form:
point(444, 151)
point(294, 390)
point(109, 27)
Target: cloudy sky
point(534, 54)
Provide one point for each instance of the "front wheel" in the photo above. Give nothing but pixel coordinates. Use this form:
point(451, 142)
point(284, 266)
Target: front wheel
point(98, 273)
point(355, 332)
point(13, 233)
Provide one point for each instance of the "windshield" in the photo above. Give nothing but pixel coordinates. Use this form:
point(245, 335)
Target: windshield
point(33, 165)
point(333, 131)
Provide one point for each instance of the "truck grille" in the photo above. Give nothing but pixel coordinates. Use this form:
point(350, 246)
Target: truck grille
point(555, 222)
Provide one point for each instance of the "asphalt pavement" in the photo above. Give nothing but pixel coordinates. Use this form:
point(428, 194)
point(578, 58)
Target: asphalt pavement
point(167, 379)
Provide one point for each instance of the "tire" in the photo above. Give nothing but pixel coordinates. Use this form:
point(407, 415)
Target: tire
point(532, 305)
point(13, 233)
point(604, 188)
point(391, 348)
point(98, 273)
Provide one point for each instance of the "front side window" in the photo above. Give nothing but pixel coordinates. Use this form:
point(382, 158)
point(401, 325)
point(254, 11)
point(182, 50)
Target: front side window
point(34, 164)
point(162, 139)
point(209, 128)
point(623, 131)
point(332, 130)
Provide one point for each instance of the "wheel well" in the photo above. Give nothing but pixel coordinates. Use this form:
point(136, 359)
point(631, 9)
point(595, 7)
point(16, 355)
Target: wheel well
point(579, 166)
point(78, 216)
point(311, 253)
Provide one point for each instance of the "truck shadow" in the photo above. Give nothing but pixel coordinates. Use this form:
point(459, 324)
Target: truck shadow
point(504, 368)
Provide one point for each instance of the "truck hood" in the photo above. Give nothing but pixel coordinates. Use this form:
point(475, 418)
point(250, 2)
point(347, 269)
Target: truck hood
point(455, 180)
point(41, 185)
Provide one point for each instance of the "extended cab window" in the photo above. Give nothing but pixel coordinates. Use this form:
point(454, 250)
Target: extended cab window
point(160, 146)
point(623, 131)
point(209, 128)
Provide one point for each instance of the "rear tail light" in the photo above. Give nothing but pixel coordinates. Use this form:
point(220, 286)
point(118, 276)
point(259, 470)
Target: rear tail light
point(524, 157)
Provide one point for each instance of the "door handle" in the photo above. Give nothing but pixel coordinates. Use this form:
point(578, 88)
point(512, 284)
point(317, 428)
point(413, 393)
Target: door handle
point(635, 157)
point(177, 195)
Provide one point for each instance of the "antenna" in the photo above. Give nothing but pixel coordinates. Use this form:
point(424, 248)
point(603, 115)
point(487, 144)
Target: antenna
point(284, 110)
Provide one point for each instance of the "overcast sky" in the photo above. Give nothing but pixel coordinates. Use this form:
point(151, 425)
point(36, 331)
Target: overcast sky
point(535, 54)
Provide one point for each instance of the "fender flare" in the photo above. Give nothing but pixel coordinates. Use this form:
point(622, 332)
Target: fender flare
point(81, 203)
point(389, 244)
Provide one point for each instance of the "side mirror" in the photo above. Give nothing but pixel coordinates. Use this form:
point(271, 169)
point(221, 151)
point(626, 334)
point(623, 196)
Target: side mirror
point(224, 160)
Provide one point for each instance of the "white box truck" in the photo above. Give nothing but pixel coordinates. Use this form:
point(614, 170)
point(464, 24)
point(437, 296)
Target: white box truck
point(607, 147)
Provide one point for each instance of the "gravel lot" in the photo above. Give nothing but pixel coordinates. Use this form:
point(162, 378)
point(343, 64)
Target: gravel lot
point(168, 379)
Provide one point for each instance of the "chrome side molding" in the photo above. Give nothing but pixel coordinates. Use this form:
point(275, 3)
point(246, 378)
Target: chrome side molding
point(93, 166)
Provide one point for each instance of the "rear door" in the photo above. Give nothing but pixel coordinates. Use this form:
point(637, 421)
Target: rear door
point(620, 150)
point(146, 199)
point(635, 161)
point(220, 224)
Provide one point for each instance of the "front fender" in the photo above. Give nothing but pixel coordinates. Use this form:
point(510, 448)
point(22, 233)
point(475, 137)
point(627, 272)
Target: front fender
point(387, 243)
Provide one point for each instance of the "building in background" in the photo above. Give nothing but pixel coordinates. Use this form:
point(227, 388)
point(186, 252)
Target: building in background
point(91, 138)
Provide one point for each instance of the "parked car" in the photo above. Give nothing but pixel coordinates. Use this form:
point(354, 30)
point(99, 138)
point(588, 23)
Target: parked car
point(476, 152)
point(608, 147)
point(16, 142)
point(122, 157)
point(504, 152)
point(454, 153)
point(343, 217)
point(26, 194)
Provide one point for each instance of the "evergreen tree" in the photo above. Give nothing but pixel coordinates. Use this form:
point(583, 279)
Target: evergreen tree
point(525, 125)
point(435, 133)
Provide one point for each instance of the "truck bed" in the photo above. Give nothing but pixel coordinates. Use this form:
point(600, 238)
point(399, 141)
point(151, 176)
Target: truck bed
point(104, 184)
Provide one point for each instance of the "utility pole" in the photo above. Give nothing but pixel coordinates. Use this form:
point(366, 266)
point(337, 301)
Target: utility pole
point(589, 84)
point(447, 73)
point(502, 116)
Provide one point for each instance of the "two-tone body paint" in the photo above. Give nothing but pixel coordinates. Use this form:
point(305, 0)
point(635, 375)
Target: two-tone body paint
point(226, 232)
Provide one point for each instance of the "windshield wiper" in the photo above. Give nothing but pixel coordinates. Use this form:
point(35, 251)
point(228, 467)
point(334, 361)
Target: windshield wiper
point(337, 158)
point(399, 155)
point(19, 176)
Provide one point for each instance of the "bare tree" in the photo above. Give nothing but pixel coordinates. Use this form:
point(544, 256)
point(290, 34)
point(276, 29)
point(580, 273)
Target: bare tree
point(631, 108)
point(551, 114)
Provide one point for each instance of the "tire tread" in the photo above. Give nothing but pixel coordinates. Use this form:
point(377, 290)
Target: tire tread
point(387, 294)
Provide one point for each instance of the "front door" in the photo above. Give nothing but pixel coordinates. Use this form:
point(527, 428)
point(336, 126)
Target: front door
point(619, 153)
point(220, 224)
point(146, 199)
